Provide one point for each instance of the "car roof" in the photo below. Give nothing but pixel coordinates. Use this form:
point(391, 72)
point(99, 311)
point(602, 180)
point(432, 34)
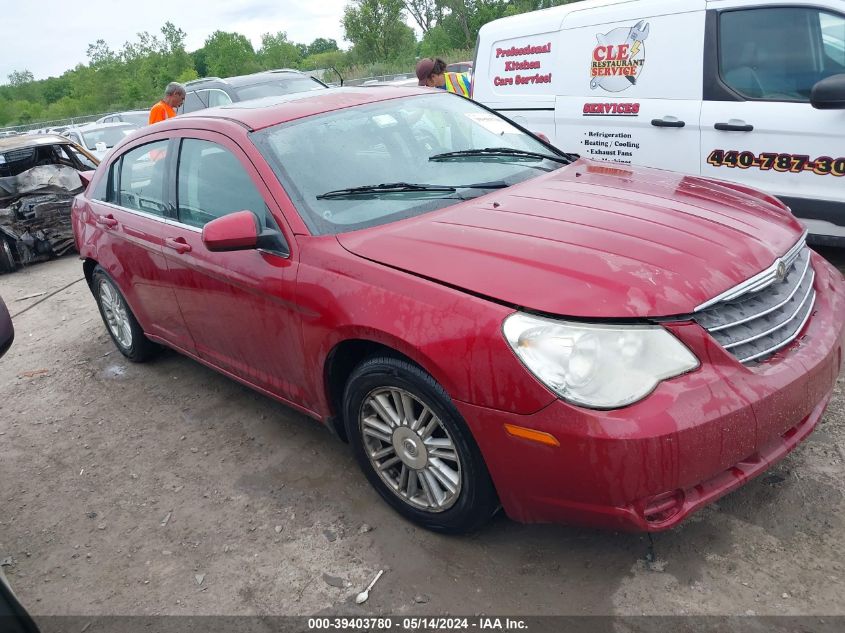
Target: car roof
point(31, 140)
point(257, 114)
point(101, 126)
point(244, 80)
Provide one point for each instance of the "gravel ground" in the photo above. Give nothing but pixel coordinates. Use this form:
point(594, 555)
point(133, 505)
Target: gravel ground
point(165, 488)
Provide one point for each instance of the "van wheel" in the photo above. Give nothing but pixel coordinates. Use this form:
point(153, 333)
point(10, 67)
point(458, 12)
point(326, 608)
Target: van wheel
point(121, 324)
point(415, 448)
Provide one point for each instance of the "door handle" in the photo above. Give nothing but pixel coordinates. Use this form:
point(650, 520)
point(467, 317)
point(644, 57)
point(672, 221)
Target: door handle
point(664, 122)
point(107, 221)
point(178, 244)
point(739, 126)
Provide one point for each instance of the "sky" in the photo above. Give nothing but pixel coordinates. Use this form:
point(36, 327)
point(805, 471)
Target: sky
point(49, 37)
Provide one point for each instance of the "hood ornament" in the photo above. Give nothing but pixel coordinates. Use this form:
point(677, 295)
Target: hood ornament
point(781, 271)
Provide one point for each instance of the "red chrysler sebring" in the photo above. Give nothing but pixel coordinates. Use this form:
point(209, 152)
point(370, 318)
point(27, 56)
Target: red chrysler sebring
point(488, 321)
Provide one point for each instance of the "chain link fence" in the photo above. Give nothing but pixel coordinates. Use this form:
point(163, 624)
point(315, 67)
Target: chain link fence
point(44, 126)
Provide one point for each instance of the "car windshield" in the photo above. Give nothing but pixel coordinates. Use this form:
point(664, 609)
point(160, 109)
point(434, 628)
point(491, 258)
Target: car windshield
point(278, 87)
point(411, 156)
point(108, 135)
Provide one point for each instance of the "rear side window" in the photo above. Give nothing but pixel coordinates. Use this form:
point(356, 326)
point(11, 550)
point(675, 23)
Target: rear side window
point(142, 174)
point(192, 103)
point(780, 53)
point(218, 98)
point(212, 182)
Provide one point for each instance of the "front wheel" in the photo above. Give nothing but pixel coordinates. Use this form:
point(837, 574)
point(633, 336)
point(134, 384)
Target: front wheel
point(415, 448)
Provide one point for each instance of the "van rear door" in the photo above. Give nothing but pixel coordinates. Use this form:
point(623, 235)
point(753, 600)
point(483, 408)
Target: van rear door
point(758, 126)
point(631, 85)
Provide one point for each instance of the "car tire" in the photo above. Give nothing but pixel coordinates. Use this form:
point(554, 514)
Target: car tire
point(120, 323)
point(415, 448)
point(7, 257)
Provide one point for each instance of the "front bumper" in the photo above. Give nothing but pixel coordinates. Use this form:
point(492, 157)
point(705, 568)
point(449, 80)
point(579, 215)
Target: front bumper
point(697, 437)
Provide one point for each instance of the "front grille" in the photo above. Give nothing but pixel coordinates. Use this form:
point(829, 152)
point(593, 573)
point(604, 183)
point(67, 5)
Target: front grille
point(760, 316)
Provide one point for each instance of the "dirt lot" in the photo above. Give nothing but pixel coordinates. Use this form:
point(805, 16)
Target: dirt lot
point(166, 488)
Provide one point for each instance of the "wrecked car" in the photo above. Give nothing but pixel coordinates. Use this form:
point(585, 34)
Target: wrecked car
point(39, 176)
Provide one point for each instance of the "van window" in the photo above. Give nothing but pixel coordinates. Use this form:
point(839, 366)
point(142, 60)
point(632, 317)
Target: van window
point(780, 53)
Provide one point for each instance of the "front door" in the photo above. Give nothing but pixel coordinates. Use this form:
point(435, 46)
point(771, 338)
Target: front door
point(239, 305)
point(758, 125)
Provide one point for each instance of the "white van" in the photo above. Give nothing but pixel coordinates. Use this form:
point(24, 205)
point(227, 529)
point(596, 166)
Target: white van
point(746, 90)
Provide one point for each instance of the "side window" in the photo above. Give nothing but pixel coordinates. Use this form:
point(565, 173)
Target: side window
point(779, 53)
point(86, 162)
point(192, 102)
point(218, 98)
point(212, 182)
point(833, 39)
point(142, 178)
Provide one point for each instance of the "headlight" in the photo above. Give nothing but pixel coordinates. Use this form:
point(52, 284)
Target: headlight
point(597, 366)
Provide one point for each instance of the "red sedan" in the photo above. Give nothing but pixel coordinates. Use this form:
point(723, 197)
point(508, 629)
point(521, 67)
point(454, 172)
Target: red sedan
point(488, 321)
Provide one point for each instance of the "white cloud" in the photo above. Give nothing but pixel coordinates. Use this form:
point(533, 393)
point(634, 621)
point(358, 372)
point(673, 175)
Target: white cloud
point(49, 37)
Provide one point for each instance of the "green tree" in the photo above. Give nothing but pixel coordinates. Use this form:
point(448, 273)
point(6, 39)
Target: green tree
point(229, 54)
point(18, 78)
point(277, 51)
point(426, 13)
point(377, 30)
point(322, 45)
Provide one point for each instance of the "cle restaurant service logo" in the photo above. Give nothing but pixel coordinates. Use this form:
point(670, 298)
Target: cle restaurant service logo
point(619, 57)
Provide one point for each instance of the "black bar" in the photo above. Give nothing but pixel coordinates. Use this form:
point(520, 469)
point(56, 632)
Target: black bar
point(662, 123)
point(728, 127)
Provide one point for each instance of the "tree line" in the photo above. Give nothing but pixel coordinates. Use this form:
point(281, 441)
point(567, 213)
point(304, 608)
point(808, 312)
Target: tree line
point(135, 75)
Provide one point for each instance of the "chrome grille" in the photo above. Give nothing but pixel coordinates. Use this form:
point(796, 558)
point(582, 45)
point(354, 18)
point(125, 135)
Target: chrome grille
point(766, 313)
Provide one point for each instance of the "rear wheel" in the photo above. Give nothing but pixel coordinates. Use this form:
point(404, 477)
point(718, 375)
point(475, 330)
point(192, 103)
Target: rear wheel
point(415, 448)
point(121, 324)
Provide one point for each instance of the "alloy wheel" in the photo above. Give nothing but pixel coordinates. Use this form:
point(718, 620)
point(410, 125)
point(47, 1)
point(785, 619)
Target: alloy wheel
point(116, 313)
point(410, 449)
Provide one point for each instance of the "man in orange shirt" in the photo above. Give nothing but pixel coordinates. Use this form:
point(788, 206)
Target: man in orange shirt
point(174, 96)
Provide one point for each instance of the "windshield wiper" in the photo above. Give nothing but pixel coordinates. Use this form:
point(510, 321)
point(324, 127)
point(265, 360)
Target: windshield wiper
point(499, 151)
point(390, 187)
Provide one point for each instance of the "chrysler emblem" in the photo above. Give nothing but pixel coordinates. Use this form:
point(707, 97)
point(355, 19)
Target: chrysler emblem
point(781, 273)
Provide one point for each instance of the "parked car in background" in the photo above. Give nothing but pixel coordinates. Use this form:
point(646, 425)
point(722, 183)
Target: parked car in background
point(100, 138)
point(486, 319)
point(213, 91)
point(459, 67)
point(140, 118)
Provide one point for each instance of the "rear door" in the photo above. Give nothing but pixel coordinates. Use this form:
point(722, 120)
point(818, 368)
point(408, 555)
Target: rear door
point(758, 126)
point(240, 305)
point(631, 89)
point(128, 209)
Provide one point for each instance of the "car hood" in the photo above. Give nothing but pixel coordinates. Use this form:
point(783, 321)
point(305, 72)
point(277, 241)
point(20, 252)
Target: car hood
point(592, 240)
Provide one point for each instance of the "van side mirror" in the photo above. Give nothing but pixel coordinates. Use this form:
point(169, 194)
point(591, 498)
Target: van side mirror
point(829, 94)
point(237, 231)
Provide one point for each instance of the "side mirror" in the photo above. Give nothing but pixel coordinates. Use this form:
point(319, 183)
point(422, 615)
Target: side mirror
point(86, 177)
point(237, 231)
point(829, 94)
